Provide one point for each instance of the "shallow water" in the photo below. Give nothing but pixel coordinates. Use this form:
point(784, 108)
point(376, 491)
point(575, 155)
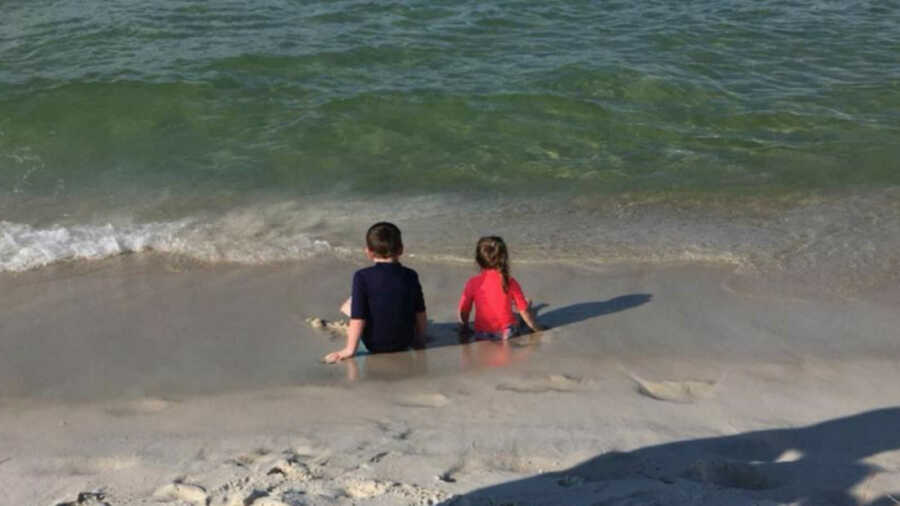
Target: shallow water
point(138, 326)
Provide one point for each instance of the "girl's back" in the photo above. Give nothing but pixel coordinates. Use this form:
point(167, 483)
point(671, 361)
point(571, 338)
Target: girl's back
point(493, 304)
point(493, 292)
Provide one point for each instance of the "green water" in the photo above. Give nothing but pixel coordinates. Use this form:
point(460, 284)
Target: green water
point(429, 96)
point(125, 111)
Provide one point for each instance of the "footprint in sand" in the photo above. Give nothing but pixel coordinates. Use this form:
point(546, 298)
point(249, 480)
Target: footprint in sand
point(449, 476)
point(249, 459)
point(145, 406)
point(543, 384)
point(367, 489)
point(378, 457)
point(237, 492)
point(676, 391)
point(409, 493)
point(268, 501)
point(96, 498)
point(435, 400)
point(337, 328)
point(182, 492)
point(260, 498)
point(293, 470)
point(395, 430)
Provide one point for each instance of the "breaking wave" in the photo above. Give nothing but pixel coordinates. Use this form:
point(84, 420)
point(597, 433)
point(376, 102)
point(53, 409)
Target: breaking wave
point(23, 247)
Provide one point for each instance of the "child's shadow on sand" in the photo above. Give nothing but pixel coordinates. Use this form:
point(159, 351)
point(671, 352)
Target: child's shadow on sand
point(446, 334)
point(581, 311)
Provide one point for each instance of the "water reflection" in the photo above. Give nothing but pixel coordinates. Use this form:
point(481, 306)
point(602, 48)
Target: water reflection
point(471, 355)
point(497, 353)
point(387, 366)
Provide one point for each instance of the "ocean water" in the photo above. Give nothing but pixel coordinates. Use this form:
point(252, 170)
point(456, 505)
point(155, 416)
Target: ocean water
point(761, 134)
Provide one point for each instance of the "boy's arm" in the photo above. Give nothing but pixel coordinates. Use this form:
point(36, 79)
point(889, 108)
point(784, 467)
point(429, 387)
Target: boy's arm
point(354, 332)
point(421, 324)
point(356, 307)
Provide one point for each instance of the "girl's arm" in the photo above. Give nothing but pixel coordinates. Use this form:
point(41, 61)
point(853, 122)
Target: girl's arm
point(462, 313)
point(463, 318)
point(524, 306)
point(530, 320)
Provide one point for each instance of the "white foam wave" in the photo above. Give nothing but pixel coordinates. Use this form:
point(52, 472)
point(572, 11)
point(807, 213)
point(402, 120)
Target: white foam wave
point(23, 247)
point(845, 242)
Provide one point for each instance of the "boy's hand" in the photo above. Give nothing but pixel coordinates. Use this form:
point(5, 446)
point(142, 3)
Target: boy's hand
point(337, 356)
point(354, 331)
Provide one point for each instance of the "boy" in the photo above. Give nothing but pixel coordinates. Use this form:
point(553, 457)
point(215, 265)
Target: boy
point(386, 307)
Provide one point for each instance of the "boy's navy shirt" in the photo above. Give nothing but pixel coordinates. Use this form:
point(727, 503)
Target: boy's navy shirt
point(387, 296)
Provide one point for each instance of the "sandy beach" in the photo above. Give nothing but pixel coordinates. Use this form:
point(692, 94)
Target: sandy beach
point(146, 380)
point(701, 199)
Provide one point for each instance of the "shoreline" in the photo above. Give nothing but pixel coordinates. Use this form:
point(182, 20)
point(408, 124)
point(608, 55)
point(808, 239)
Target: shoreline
point(145, 379)
point(844, 244)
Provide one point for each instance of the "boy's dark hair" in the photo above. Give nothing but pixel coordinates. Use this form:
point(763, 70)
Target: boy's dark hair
point(384, 240)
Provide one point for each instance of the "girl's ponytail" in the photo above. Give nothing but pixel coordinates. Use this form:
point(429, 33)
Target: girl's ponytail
point(504, 270)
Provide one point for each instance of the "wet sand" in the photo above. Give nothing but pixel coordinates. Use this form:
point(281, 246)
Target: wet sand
point(143, 379)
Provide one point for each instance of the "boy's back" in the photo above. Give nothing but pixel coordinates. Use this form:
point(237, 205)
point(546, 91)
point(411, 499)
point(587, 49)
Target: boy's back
point(387, 296)
point(387, 310)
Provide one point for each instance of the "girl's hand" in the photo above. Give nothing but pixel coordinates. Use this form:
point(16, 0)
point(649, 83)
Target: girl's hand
point(337, 356)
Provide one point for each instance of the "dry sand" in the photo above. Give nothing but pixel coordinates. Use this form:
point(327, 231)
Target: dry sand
point(147, 380)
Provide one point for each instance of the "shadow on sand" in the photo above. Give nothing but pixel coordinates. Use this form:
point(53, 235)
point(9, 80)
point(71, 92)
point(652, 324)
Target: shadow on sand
point(586, 310)
point(445, 334)
point(814, 465)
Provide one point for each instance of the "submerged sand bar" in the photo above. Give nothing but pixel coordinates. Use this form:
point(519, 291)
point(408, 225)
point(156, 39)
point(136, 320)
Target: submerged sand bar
point(143, 378)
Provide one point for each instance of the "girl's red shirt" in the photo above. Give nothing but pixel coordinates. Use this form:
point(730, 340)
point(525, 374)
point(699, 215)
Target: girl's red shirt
point(493, 306)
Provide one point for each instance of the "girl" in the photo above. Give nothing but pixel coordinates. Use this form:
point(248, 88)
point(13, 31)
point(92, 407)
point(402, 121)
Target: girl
point(493, 291)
